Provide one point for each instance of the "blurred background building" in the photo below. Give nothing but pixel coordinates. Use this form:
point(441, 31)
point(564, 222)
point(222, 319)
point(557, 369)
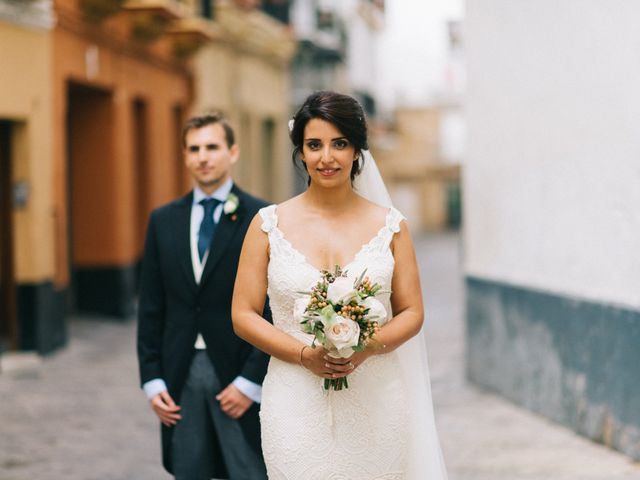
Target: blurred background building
point(337, 50)
point(95, 93)
point(244, 73)
point(418, 136)
point(27, 238)
point(552, 224)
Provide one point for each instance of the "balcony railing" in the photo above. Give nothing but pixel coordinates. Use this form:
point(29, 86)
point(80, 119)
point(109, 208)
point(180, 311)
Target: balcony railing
point(244, 26)
point(152, 18)
point(98, 10)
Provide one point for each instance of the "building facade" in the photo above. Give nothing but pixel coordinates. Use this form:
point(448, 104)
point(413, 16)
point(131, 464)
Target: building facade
point(27, 254)
point(337, 42)
point(422, 180)
point(419, 143)
point(551, 197)
point(91, 140)
point(121, 88)
point(245, 74)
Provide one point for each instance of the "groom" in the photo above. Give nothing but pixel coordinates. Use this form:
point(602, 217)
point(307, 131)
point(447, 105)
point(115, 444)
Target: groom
point(202, 381)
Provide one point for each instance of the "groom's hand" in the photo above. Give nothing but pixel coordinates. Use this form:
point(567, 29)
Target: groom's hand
point(165, 408)
point(233, 402)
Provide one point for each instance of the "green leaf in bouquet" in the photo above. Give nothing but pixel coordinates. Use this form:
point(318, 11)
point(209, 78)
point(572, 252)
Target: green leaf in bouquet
point(328, 314)
point(360, 296)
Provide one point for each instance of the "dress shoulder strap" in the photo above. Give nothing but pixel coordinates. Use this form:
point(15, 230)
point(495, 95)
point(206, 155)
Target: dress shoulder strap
point(269, 218)
point(394, 217)
point(392, 226)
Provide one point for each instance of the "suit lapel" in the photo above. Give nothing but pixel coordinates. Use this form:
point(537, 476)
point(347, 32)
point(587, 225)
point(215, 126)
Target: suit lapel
point(225, 230)
point(182, 238)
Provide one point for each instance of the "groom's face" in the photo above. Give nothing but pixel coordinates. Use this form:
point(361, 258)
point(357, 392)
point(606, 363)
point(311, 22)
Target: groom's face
point(208, 156)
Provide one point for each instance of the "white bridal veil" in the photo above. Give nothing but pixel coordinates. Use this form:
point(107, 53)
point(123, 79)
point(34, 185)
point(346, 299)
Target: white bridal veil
point(425, 457)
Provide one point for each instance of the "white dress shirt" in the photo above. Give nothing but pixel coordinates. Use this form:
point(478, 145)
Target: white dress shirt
point(247, 387)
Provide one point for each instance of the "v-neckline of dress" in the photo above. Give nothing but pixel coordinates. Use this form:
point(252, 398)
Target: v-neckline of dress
point(303, 257)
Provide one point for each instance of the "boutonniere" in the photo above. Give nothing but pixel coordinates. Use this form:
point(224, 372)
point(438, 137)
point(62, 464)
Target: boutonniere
point(231, 206)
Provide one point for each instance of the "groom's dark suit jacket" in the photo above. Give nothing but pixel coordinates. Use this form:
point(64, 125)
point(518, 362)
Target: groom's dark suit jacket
point(173, 308)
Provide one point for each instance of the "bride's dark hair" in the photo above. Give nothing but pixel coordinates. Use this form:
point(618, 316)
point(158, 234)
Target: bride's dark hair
point(342, 111)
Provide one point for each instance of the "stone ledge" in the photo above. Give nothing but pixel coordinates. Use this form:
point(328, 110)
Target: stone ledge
point(11, 362)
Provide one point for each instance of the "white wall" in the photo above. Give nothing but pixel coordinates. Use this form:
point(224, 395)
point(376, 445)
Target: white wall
point(552, 177)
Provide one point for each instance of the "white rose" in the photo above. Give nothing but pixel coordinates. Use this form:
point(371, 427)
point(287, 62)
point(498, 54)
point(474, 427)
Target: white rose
point(299, 307)
point(341, 290)
point(343, 335)
point(229, 207)
point(377, 311)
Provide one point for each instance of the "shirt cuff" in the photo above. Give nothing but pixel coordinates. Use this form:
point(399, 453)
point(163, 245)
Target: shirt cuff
point(154, 387)
point(248, 388)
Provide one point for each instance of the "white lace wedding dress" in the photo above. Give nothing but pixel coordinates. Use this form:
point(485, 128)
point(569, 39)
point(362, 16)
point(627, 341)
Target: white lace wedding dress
point(360, 433)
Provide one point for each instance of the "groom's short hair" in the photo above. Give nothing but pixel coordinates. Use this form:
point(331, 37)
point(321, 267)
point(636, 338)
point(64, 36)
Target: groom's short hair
point(200, 121)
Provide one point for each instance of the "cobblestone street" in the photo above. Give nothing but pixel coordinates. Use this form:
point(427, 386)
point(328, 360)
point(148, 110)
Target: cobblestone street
point(79, 414)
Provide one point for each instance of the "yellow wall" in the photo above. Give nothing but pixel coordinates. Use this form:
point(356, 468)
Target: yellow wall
point(25, 56)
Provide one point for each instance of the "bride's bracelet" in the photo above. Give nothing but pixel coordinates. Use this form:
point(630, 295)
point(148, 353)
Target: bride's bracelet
point(301, 352)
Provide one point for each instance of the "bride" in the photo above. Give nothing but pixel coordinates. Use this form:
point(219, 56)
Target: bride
point(380, 427)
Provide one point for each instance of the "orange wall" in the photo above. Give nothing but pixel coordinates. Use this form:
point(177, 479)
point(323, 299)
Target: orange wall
point(107, 226)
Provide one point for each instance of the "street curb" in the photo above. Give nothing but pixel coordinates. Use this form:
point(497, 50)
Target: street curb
point(12, 362)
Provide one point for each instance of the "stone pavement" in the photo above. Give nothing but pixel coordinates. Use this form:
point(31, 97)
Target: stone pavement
point(79, 415)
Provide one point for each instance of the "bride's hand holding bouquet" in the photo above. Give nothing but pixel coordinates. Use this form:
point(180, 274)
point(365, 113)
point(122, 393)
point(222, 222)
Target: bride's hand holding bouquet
point(343, 316)
point(317, 360)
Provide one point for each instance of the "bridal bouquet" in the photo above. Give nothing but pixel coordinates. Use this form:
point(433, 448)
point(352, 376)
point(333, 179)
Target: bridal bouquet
point(342, 315)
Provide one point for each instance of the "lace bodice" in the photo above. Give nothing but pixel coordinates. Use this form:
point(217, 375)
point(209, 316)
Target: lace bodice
point(357, 434)
point(290, 273)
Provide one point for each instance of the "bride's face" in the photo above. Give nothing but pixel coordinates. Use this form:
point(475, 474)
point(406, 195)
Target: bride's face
point(328, 154)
